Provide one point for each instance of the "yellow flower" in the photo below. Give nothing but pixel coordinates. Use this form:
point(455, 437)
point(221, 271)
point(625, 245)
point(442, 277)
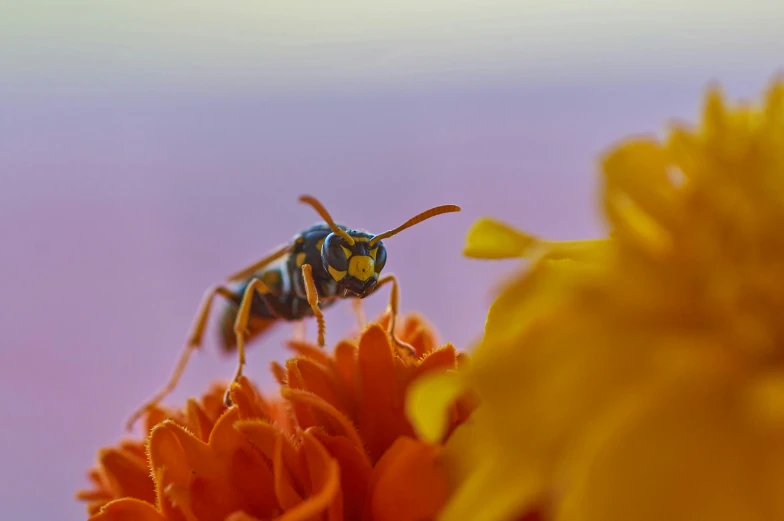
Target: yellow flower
point(337, 446)
point(639, 377)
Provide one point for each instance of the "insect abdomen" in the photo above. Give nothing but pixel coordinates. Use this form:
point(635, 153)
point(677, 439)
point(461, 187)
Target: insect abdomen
point(256, 326)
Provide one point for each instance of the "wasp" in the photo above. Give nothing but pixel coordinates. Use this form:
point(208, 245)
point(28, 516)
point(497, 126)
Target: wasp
point(320, 266)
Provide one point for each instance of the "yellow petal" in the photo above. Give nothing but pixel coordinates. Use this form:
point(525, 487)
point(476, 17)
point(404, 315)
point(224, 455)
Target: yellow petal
point(532, 297)
point(492, 239)
point(640, 196)
point(485, 497)
point(682, 454)
point(428, 401)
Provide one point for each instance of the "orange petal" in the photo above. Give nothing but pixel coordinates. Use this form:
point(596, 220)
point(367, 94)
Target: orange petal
point(213, 402)
point(381, 417)
point(226, 473)
point(96, 506)
point(135, 447)
point(288, 497)
point(252, 477)
point(383, 320)
point(281, 415)
point(412, 323)
point(422, 341)
point(209, 490)
point(128, 509)
point(324, 474)
point(408, 483)
point(127, 474)
point(288, 473)
point(406, 369)
point(419, 334)
point(339, 423)
point(212, 499)
point(279, 372)
point(320, 380)
point(439, 360)
point(242, 516)
point(169, 466)
point(346, 366)
point(248, 402)
point(156, 415)
point(225, 439)
point(97, 476)
point(318, 503)
point(95, 496)
point(304, 414)
point(309, 350)
point(355, 472)
point(198, 421)
point(197, 455)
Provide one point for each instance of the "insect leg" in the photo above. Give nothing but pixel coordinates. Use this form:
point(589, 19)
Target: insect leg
point(312, 294)
point(243, 315)
point(359, 312)
point(194, 341)
point(394, 300)
point(248, 271)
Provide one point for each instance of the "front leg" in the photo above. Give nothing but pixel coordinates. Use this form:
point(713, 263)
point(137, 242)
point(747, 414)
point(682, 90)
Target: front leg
point(312, 294)
point(394, 301)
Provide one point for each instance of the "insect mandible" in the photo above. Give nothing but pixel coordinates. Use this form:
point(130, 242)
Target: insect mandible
point(325, 263)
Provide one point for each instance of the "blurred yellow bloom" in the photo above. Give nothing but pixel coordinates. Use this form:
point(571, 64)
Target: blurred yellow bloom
point(639, 377)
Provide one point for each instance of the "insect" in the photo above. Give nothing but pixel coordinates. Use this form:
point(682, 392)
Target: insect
point(325, 263)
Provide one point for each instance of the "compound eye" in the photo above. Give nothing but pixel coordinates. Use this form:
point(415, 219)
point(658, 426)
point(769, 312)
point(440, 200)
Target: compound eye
point(334, 252)
point(380, 256)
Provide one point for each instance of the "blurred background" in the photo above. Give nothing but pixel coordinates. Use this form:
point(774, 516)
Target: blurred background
point(148, 149)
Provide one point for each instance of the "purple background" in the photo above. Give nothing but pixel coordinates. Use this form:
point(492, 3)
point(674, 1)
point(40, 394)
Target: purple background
point(120, 205)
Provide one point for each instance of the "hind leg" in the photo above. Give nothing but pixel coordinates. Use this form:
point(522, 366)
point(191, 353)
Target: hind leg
point(194, 341)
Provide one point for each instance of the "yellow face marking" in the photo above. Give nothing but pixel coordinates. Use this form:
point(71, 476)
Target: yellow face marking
point(337, 275)
point(373, 253)
point(346, 251)
point(319, 244)
point(361, 267)
point(300, 259)
point(361, 239)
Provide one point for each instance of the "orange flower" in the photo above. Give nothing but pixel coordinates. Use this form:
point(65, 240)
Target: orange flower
point(339, 445)
point(123, 472)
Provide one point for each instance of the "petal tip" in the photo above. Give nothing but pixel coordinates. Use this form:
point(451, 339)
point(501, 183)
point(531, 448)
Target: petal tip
point(428, 401)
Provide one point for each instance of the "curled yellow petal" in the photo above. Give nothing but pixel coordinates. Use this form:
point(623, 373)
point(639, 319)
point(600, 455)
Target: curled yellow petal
point(492, 239)
point(428, 403)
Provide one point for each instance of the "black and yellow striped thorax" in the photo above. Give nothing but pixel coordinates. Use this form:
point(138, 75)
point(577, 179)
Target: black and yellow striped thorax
point(288, 299)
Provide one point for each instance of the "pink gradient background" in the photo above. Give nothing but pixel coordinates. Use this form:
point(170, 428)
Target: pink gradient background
point(118, 210)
